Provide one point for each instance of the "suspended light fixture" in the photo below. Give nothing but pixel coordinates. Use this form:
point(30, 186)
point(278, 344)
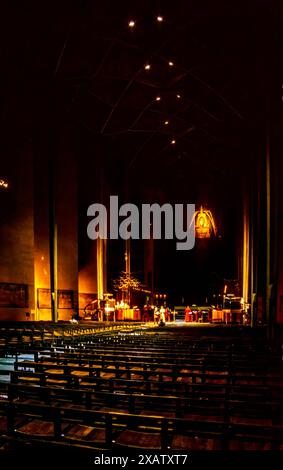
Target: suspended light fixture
point(204, 223)
point(4, 184)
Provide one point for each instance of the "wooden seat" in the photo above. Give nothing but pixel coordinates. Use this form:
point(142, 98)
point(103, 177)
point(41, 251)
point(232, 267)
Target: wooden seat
point(80, 373)
point(183, 442)
point(37, 427)
point(188, 380)
point(249, 420)
point(107, 375)
point(215, 381)
point(56, 381)
point(86, 433)
point(54, 371)
point(115, 410)
point(70, 406)
point(203, 417)
point(155, 378)
point(140, 440)
point(244, 445)
point(164, 414)
point(29, 378)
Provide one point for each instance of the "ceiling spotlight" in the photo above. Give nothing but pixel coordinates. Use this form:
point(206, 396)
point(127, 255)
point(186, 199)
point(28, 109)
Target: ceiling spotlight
point(171, 63)
point(173, 142)
point(178, 96)
point(159, 19)
point(3, 184)
point(132, 24)
point(158, 98)
point(166, 123)
point(147, 67)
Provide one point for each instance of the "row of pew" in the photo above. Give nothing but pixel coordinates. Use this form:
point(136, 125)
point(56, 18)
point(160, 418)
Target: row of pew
point(147, 389)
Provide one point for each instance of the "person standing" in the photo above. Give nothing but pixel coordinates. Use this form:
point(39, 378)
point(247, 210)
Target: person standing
point(188, 314)
point(162, 317)
point(156, 315)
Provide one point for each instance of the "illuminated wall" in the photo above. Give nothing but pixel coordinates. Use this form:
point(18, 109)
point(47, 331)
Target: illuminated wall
point(246, 255)
point(16, 231)
point(67, 222)
point(41, 235)
point(67, 228)
point(87, 273)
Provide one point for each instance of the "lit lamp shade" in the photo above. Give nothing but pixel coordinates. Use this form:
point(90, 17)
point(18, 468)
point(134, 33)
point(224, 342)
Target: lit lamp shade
point(204, 224)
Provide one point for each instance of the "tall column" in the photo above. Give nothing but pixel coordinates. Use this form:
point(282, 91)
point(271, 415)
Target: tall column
point(149, 263)
point(246, 252)
point(128, 257)
point(268, 239)
point(252, 272)
point(101, 244)
point(53, 242)
point(100, 266)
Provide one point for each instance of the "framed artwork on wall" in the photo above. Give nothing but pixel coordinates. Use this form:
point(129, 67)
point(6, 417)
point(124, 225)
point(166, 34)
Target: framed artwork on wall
point(65, 298)
point(13, 295)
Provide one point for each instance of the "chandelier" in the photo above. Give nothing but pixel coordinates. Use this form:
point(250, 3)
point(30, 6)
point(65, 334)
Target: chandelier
point(204, 223)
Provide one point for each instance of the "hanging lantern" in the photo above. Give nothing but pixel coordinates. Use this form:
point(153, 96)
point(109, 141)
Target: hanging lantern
point(204, 224)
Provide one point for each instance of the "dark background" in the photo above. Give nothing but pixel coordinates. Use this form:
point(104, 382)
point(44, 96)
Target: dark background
point(76, 69)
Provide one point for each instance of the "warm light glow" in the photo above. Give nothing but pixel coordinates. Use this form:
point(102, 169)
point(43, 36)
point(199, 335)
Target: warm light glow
point(173, 142)
point(3, 184)
point(204, 223)
point(126, 282)
point(159, 19)
point(246, 260)
point(178, 96)
point(158, 98)
point(100, 254)
point(147, 67)
point(166, 123)
point(131, 24)
point(171, 63)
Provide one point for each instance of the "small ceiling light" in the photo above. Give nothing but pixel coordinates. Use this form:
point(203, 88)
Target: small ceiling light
point(132, 24)
point(158, 98)
point(178, 96)
point(173, 142)
point(171, 63)
point(166, 123)
point(159, 19)
point(3, 184)
point(147, 67)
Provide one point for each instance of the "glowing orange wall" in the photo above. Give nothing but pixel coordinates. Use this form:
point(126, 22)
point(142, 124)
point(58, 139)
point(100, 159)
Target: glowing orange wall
point(16, 229)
